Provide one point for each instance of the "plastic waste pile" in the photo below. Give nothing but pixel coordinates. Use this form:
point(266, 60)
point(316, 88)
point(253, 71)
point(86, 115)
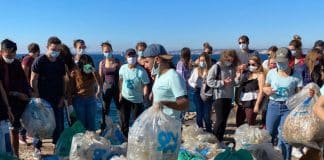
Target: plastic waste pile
point(38, 118)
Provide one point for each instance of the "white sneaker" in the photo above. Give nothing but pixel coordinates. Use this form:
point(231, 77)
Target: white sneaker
point(296, 152)
point(37, 154)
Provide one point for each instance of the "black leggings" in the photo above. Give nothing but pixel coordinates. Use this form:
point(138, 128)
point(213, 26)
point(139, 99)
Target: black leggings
point(112, 93)
point(223, 107)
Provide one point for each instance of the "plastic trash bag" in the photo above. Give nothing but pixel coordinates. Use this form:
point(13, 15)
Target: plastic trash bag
point(63, 145)
point(38, 118)
point(118, 158)
point(113, 133)
point(5, 146)
point(303, 127)
point(302, 95)
point(247, 135)
point(241, 154)
point(264, 151)
point(186, 155)
point(7, 156)
point(88, 145)
point(154, 135)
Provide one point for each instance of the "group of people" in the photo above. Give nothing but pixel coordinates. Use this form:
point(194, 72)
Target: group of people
point(65, 79)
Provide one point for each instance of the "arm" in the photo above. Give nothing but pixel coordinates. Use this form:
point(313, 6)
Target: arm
point(181, 104)
point(211, 78)
point(319, 108)
point(260, 94)
point(193, 78)
point(99, 83)
point(100, 72)
point(34, 83)
point(26, 70)
point(6, 102)
point(145, 90)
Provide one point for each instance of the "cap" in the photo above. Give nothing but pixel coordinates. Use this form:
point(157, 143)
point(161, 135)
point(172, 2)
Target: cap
point(131, 52)
point(283, 55)
point(156, 50)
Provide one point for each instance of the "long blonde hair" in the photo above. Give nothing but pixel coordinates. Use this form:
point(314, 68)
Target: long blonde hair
point(311, 58)
point(229, 53)
point(208, 63)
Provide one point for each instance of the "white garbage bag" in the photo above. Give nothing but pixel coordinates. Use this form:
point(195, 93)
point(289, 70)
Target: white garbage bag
point(247, 135)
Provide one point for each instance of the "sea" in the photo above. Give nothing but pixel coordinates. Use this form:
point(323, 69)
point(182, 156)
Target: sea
point(114, 115)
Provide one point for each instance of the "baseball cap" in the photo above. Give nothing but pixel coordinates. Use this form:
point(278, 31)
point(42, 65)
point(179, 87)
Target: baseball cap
point(131, 52)
point(283, 55)
point(156, 50)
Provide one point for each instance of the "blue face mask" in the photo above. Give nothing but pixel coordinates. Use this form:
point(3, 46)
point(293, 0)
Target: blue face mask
point(282, 65)
point(108, 55)
point(55, 54)
point(202, 64)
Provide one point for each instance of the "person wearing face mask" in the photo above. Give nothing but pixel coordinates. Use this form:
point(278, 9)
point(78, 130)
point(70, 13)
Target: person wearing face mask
point(245, 52)
point(184, 64)
point(80, 47)
point(133, 81)
point(17, 89)
point(271, 51)
point(84, 78)
point(221, 78)
point(28, 60)
point(251, 83)
point(281, 83)
point(48, 82)
point(140, 47)
point(298, 59)
point(314, 64)
point(109, 75)
point(196, 80)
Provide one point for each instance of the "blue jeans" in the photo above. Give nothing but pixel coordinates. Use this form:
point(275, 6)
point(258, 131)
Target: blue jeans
point(85, 109)
point(203, 110)
point(276, 116)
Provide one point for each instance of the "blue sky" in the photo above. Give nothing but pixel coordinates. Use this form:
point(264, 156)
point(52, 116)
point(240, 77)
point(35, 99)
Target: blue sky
point(173, 23)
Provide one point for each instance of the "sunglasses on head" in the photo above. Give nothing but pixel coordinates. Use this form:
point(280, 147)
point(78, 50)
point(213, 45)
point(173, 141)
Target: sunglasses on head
point(242, 42)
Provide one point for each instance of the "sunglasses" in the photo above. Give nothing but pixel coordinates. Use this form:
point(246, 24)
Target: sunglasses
point(242, 42)
point(252, 64)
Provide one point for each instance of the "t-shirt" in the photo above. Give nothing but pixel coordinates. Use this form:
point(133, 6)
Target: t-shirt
point(134, 80)
point(28, 61)
point(244, 57)
point(284, 86)
point(51, 77)
point(167, 87)
point(3, 107)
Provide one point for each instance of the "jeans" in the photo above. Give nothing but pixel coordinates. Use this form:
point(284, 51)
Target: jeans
point(85, 109)
point(223, 108)
point(276, 116)
point(126, 107)
point(203, 110)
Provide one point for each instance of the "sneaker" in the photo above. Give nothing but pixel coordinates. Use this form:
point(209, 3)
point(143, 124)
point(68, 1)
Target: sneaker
point(296, 152)
point(22, 139)
point(37, 154)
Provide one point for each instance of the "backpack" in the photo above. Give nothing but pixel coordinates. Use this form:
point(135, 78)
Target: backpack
point(206, 92)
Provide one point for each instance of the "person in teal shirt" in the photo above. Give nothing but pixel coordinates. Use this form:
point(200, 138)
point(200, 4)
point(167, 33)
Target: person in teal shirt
point(169, 87)
point(133, 80)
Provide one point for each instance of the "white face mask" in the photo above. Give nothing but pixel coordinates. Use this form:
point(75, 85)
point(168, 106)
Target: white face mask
point(293, 52)
point(228, 63)
point(155, 69)
point(243, 46)
point(81, 51)
point(54, 54)
point(252, 68)
point(8, 60)
point(317, 62)
point(131, 60)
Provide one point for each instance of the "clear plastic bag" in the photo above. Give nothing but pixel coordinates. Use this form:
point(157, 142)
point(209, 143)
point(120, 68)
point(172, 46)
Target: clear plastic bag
point(302, 95)
point(89, 146)
point(264, 151)
point(118, 158)
point(303, 127)
point(247, 135)
point(38, 118)
point(113, 133)
point(5, 146)
point(154, 135)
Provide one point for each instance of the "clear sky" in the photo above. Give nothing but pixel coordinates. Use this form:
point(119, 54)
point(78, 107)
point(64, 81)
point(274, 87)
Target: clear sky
point(173, 23)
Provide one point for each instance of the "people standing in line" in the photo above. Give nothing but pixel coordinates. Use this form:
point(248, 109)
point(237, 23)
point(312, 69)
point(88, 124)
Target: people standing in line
point(85, 80)
point(26, 64)
point(221, 78)
point(48, 82)
point(314, 65)
point(109, 75)
point(80, 47)
point(280, 84)
point(196, 80)
point(133, 81)
point(272, 50)
point(251, 84)
point(16, 87)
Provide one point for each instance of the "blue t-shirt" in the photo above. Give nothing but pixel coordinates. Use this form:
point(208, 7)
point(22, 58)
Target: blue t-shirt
point(284, 86)
point(168, 87)
point(133, 82)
